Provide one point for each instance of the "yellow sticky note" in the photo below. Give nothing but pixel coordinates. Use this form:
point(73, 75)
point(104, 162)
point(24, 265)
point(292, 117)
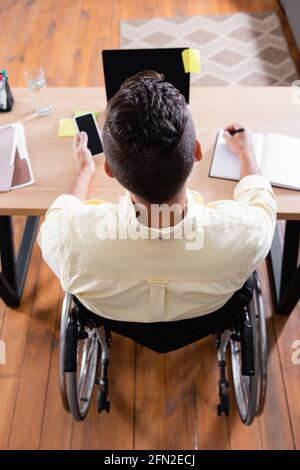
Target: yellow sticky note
point(191, 60)
point(67, 128)
point(81, 113)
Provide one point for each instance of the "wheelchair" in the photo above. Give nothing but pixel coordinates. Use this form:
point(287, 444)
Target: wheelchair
point(85, 342)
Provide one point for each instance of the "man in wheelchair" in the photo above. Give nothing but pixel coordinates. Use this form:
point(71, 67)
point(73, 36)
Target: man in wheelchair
point(160, 267)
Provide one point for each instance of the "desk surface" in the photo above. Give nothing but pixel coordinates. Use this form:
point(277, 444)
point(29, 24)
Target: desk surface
point(268, 109)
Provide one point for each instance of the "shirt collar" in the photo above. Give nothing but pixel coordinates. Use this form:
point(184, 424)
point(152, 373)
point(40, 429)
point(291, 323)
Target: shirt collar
point(188, 224)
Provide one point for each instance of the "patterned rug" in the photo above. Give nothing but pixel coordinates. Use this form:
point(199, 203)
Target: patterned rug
point(239, 49)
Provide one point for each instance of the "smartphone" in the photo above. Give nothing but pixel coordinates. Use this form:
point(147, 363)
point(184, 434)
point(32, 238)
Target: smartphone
point(88, 124)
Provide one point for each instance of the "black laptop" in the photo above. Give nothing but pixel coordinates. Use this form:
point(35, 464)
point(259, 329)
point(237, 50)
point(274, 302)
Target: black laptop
point(120, 64)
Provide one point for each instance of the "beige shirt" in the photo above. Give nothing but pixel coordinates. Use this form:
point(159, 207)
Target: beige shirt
point(124, 270)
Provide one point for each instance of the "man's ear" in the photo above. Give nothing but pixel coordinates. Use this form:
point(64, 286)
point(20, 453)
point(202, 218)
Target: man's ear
point(198, 151)
point(107, 169)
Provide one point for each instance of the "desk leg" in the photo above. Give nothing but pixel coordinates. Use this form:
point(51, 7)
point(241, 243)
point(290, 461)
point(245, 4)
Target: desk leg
point(14, 269)
point(285, 269)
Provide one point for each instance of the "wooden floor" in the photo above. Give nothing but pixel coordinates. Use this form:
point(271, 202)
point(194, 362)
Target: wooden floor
point(158, 402)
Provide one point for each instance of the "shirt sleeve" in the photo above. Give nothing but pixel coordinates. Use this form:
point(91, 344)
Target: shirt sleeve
point(256, 192)
point(50, 237)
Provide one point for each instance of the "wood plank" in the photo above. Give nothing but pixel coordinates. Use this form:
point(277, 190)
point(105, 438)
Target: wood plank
point(276, 409)
point(62, 51)
point(8, 395)
point(287, 331)
point(212, 429)
point(8, 381)
point(199, 7)
point(10, 18)
point(22, 41)
point(30, 403)
point(246, 6)
point(57, 424)
point(100, 40)
point(88, 35)
point(40, 51)
point(165, 404)
point(113, 430)
point(16, 321)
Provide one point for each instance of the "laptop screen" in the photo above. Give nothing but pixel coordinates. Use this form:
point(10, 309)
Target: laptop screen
point(120, 64)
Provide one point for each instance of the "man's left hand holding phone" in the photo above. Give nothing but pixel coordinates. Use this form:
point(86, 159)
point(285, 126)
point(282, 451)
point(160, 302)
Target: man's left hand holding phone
point(86, 144)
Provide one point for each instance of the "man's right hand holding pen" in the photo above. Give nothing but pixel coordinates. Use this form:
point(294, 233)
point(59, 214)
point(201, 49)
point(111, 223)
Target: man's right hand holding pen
point(240, 143)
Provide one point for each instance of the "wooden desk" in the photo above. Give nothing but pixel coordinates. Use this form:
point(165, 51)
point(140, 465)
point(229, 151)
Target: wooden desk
point(262, 109)
point(267, 109)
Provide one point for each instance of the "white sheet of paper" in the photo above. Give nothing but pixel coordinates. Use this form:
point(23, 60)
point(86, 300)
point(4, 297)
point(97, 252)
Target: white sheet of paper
point(227, 165)
point(281, 160)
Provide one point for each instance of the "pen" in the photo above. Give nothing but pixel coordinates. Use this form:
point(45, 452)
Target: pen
point(237, 131)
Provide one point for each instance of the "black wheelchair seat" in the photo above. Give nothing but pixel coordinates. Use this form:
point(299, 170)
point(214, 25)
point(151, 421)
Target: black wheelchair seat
point(164, 337)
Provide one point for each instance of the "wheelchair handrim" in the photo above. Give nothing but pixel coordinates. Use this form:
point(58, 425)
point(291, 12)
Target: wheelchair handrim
point(246, 387)
point(262, 346)
point(66, 307)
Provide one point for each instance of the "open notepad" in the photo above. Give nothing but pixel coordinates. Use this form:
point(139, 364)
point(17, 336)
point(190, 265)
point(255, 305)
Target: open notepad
point(278, 157)
point(15, 167)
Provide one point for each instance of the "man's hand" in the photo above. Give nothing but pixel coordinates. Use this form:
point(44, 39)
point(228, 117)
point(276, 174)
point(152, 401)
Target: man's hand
point(242, 146)
point(85, 167)
point(240, 143)
point(84, 159)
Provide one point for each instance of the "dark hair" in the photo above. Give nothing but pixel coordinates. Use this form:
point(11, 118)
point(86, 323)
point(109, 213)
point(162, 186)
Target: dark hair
point(149, 137)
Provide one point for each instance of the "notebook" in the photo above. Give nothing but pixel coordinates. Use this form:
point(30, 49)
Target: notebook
point(15, 167)
point(277, 156)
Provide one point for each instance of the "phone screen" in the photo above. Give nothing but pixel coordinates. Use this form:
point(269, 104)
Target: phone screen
point(87, 124)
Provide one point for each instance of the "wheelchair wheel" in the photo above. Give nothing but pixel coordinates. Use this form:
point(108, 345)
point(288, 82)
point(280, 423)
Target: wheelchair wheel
point(78, 357)
point(66, 308)
point(250, 387)
point(262, 345)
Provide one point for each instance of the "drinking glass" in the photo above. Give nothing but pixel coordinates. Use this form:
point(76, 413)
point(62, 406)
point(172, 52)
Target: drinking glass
point(36, 83)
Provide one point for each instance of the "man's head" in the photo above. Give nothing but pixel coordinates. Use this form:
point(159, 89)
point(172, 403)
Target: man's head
point(149, 138)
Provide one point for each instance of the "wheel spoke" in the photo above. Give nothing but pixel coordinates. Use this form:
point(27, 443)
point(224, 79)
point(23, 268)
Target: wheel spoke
point(83, 366)
point(88, 369)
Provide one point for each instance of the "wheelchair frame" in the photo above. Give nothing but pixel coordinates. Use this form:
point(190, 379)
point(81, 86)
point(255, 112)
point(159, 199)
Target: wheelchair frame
point(84, 359)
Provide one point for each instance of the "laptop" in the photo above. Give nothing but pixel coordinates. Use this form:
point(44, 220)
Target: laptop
point(120, 64)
